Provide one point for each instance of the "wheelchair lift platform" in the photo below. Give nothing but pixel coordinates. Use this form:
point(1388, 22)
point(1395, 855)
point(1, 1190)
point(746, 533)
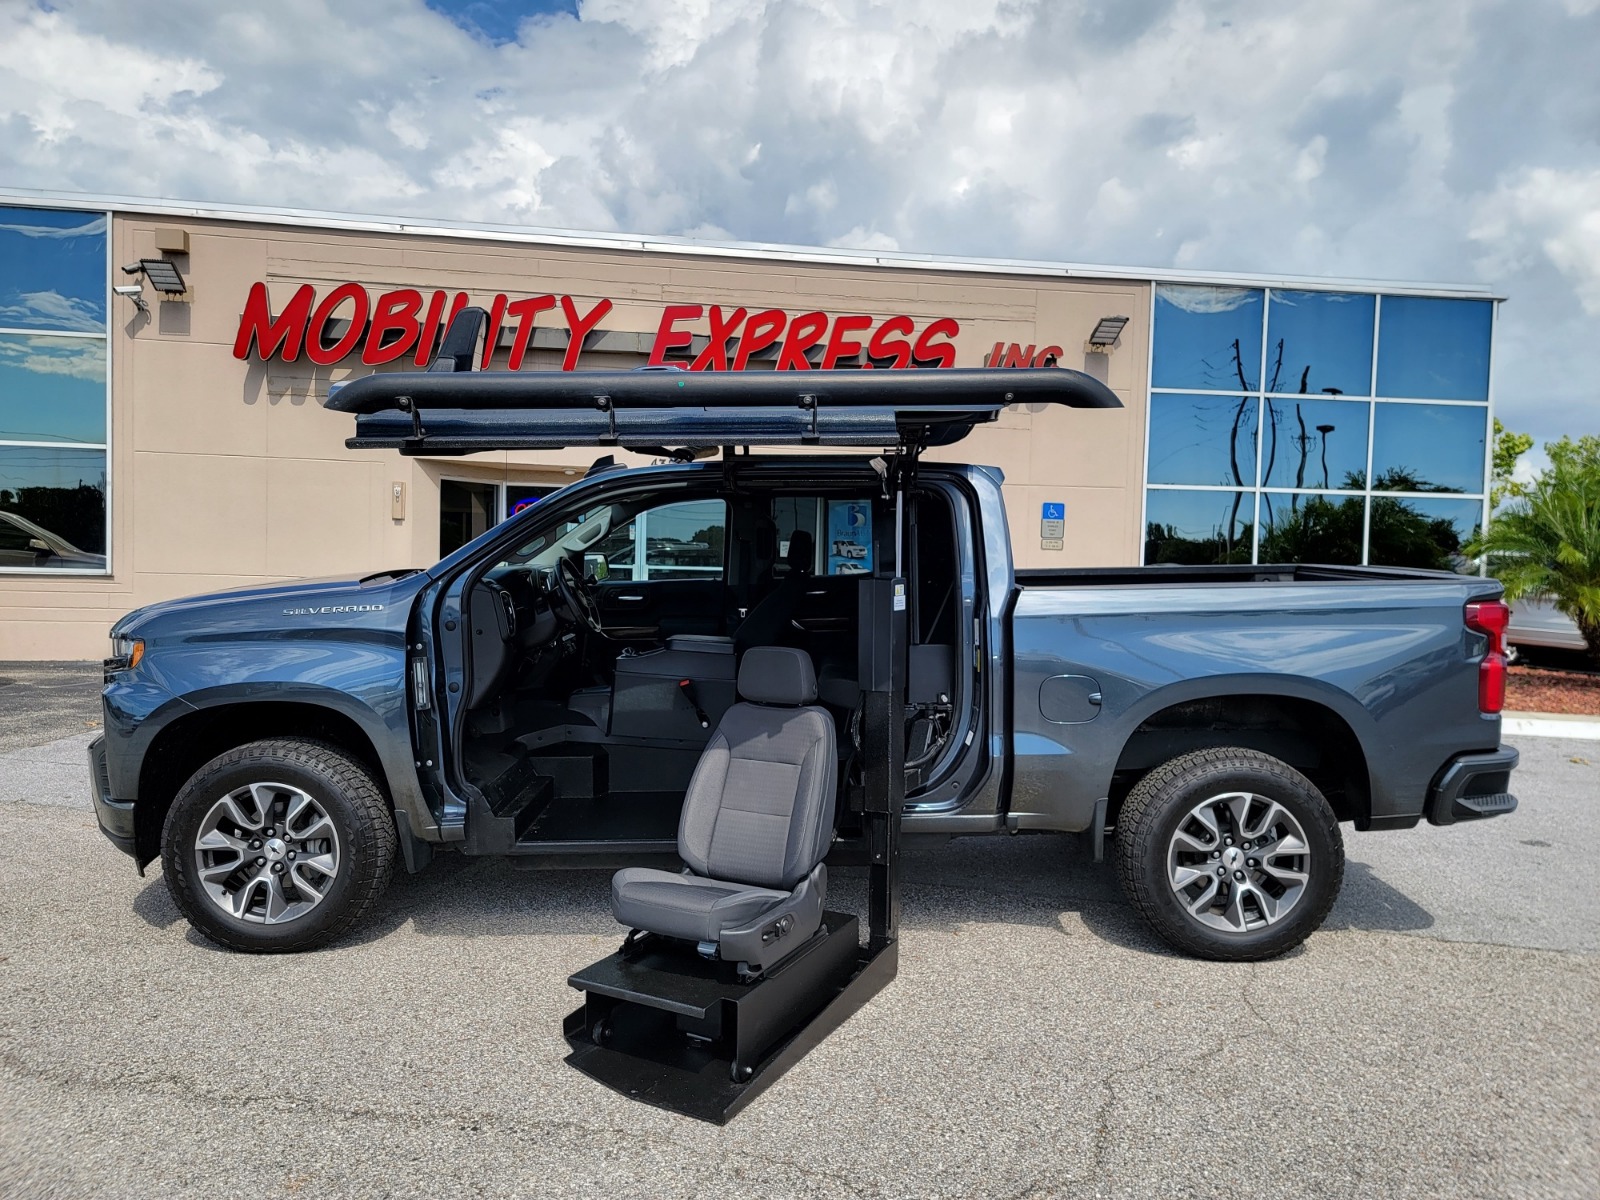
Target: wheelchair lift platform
point(687, 1035)
point(662, 1025)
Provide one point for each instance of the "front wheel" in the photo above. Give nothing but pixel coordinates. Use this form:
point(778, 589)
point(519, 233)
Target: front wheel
point(1229, 854)
point(278, 846)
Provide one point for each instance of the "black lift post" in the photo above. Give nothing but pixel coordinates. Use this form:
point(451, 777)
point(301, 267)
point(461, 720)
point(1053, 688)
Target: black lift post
point(671, 1029)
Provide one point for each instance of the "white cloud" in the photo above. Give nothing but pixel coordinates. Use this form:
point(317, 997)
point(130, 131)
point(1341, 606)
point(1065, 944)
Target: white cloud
point(1370, 138)
point(1556, 213)
point(52, 310)
point(79, 358)
point(862, 238)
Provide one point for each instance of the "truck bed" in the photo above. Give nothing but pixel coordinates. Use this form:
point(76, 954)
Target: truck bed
point(1226, 574)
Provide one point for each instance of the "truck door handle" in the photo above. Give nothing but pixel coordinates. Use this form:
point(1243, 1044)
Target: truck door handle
point(630, 599)
point(1095, 698)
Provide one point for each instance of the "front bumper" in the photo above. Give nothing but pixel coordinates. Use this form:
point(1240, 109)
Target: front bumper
point(115, 816)
point(1472, 787)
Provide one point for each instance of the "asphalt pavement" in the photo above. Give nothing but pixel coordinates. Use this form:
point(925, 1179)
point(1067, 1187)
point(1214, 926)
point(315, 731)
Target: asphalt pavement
point(1436, 1038)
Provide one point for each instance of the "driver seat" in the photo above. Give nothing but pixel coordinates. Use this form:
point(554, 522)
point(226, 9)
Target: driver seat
point(757, 822)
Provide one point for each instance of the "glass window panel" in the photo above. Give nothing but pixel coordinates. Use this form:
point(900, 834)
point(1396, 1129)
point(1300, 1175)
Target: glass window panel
point(1198, 527)
point(1314, 443)
point(1422, 533)
point(1203, 440)
point(521, 497)
point(1432, 349)
point(52, 389)
point(52, 508)
point(466, 510)
point(1207, 337)
point(1301, 527)
point(685, 540)
point(797, 513)
point(1428, 448)
point(52, 270)
point(617, 551)
point(1320, 342)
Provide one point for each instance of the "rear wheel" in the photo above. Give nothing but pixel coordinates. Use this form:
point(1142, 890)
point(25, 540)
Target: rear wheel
point(1229, 854)
point(278, 846)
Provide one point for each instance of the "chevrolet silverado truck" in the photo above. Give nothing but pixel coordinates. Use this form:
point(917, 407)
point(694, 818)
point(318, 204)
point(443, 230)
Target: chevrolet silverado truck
point(545, 691)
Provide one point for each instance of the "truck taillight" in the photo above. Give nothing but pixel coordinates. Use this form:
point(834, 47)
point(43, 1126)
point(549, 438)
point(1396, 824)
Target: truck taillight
point(1490, 618)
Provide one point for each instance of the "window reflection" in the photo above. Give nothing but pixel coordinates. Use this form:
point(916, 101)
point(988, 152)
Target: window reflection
point(1309, 528)
point(466, 511)
point(1203, 439)
point(1422, 533)
point(52, 508)
point(52, 270)
point(1314, 443)
point(1428, 448)
point(1207, 337)
point(1198, 527)
point(52, 389)
point(1433, 349)
point(1320, 343)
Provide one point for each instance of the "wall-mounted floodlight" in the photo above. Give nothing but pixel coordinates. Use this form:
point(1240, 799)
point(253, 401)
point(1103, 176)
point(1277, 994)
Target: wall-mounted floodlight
point(1107, 331)
point(163, 276)
point(134, 292)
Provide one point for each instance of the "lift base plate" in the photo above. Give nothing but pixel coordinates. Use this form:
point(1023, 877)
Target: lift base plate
point(661, 1025)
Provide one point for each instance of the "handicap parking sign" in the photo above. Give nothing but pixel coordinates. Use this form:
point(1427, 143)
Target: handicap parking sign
point(1054, 510)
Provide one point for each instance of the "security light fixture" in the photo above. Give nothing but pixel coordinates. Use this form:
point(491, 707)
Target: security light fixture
point(1106, 332)
point(134, 292)
point(163, 276)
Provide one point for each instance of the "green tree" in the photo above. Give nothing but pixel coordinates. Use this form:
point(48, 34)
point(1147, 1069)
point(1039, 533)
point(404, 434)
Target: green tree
point(1546, 544)
point(1509, 446)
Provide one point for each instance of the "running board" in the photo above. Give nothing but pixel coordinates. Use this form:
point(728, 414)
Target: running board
point(661, 1025)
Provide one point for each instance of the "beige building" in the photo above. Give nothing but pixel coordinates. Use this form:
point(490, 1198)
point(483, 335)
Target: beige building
point(162, 366)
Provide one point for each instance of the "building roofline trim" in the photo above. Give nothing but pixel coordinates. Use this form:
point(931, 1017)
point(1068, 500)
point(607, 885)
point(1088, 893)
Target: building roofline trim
point(664, 244)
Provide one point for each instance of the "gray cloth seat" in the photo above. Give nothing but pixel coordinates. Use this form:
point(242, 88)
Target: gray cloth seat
point(757, 822)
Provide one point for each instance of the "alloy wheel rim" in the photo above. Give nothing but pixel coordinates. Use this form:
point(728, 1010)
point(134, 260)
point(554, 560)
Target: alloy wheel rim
point(1238, 862)
point(267, 853)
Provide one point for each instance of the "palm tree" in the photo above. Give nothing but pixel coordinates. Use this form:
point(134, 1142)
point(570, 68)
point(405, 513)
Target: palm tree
point(1546, 544)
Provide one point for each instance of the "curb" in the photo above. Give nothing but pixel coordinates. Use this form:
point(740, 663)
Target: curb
point(1558, 725)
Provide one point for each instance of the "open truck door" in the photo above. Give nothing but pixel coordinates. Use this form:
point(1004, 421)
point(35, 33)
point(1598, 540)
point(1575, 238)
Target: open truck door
point(701, 1022)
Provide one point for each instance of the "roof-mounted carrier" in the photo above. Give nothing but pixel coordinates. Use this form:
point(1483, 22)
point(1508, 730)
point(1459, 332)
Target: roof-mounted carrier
point(660, 1022)
point(452, 409)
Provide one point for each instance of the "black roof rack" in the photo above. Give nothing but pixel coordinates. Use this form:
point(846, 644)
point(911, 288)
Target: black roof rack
point(451, 409)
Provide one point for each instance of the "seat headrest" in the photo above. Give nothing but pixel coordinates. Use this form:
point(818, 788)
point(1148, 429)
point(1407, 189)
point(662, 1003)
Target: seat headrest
point(777, 675)
point(802, 551)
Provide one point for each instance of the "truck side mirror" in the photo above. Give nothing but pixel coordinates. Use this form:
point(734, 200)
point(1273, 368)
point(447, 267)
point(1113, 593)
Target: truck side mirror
point(40, 546)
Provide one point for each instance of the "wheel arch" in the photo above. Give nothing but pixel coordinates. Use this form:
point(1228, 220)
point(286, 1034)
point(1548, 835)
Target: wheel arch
point(193, 739)
point(1306, 732)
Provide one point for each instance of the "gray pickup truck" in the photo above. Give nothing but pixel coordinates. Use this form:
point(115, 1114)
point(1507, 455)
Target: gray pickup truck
point(547, 690)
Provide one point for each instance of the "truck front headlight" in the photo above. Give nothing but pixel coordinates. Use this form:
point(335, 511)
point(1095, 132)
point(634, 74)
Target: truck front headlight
point(125, 654)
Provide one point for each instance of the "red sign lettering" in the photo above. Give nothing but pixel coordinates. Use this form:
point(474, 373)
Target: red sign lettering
point(391, 325)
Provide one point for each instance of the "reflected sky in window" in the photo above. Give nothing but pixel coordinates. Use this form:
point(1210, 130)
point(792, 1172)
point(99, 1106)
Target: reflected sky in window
point(1203, 439)
point(1198, 527)
point(1314, 443)
point(1319, 342)
point(1207, 338)
point(1433, 349)
point(1428, 448)
point(52, 270)
point(52, 389)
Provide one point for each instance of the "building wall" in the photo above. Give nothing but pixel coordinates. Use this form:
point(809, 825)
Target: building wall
point(226, 472)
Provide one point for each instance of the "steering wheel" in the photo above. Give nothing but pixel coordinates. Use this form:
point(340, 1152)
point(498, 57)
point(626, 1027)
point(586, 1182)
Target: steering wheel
point(575, 596)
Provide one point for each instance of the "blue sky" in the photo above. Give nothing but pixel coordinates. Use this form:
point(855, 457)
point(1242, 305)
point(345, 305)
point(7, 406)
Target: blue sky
point(1372, 139)
point(497, 20)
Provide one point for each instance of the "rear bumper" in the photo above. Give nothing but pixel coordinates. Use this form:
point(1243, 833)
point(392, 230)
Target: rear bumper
point(114, 816)
point(1472, 787)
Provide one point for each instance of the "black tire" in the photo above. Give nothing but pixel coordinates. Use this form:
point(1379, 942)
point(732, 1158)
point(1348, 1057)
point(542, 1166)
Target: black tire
point(353, 803)
point(1163, 801)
